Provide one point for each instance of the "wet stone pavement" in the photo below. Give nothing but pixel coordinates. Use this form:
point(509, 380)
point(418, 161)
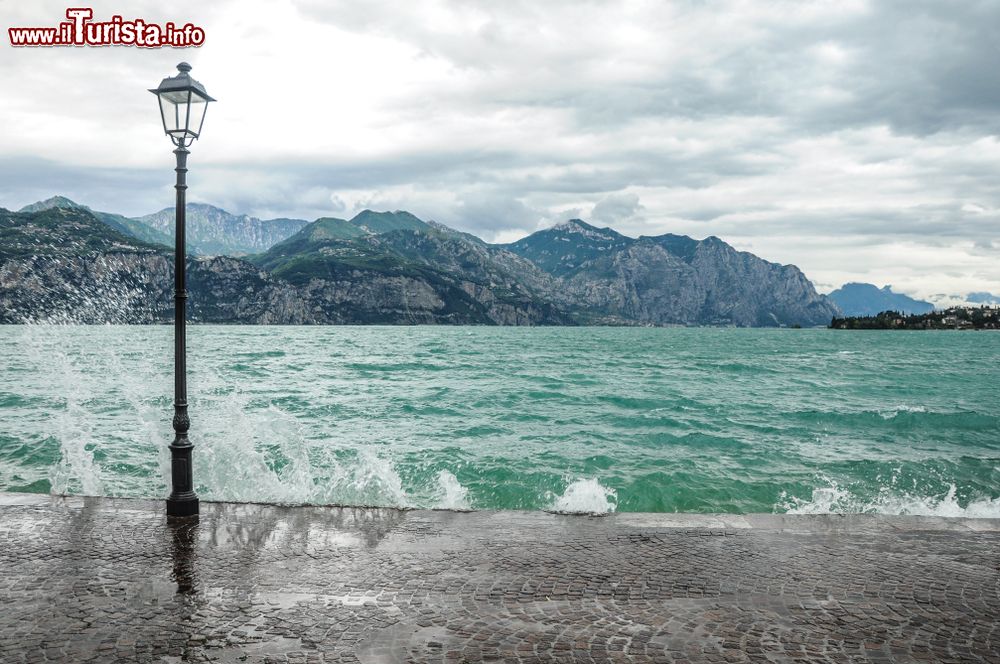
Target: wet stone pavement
point(101, 580)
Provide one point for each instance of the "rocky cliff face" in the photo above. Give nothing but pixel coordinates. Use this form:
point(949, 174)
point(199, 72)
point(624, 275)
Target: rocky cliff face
point(671, 279)
point(213, 231)
point(62, 266)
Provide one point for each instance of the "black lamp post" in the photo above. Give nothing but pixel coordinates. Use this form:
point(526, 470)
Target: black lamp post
point(183, 102)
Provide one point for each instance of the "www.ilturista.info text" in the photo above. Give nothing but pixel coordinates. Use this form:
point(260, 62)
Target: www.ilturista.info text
point(80, 30)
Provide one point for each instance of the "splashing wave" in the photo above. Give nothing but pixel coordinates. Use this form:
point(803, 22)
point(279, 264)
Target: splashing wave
point(586, 495)
point(834, 499)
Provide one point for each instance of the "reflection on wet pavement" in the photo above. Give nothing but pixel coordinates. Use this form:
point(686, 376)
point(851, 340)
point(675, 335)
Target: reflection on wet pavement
point(91, 579)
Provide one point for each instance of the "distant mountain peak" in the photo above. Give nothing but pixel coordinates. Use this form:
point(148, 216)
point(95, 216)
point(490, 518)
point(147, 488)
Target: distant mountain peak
point(573, 225)
point(862, 299)
point(212, 230)
point(385, 222)
point(52, 202)
point(588, 230)
point(567, 246)
point(384, 214)
point(329, 228)
point(209, 207)
point(982, 297)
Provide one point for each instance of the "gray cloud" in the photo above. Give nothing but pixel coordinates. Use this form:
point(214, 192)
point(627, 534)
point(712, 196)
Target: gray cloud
point(26, 180)
point(488, 215)
point(616, 208)
point(919, 66)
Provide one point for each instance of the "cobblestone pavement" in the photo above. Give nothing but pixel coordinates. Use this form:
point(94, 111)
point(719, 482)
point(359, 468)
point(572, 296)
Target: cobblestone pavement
point(112, 580)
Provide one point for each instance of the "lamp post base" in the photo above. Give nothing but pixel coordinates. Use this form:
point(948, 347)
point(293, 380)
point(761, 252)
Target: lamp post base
point(182, 506)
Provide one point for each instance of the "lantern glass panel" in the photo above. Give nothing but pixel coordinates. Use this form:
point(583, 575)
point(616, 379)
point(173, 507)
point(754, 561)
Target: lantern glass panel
point(199, 105)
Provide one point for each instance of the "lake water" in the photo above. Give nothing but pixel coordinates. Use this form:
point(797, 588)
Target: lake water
point(578, 419)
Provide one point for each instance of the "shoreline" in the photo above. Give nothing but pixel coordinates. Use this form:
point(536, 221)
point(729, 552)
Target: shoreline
point(750, 520)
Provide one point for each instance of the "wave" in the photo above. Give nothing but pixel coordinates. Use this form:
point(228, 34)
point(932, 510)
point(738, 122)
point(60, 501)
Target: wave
point(898, 417)
point(892, 413)
point(586, 496)
point(451, 494)
point(834, 499)
point(71, 421)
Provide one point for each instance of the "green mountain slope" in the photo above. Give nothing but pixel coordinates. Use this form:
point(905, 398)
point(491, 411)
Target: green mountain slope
point(468, 278)
point(564, 248)
point(118, 222)
point(62, 230)
point(386, 222)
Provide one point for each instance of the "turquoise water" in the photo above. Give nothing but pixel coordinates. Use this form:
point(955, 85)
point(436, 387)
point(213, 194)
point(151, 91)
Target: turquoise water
point(587, 419)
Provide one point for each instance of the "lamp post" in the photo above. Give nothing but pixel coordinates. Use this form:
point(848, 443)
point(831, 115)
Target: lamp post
point(183, 102)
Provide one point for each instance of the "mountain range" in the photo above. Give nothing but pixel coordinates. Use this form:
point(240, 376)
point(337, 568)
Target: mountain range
point(213, 231)
point(983, 298)
point(60, 260)
point(857, 299)
point(210, 230)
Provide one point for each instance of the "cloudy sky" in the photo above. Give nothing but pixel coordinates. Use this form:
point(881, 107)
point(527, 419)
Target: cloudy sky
point(858, 140)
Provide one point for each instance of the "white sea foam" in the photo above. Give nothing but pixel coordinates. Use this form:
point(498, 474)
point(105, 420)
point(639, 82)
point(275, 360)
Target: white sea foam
point(231, 461)
point(374, 480)
point(891, 413)
point(76, 471)
point(834, 499)
point(586, 495)
point(237, 463)
point(452, 495)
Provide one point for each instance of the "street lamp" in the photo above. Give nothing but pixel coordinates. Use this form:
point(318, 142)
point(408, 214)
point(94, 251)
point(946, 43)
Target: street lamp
point(183, 102)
